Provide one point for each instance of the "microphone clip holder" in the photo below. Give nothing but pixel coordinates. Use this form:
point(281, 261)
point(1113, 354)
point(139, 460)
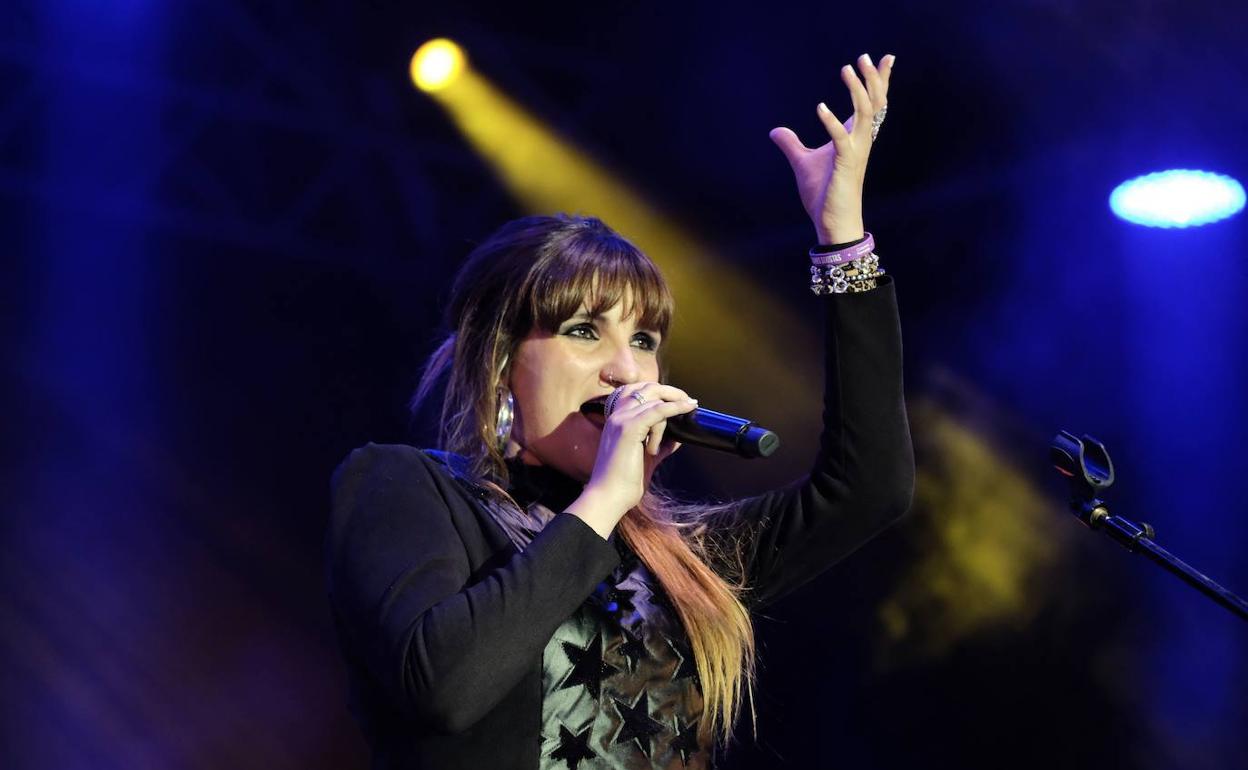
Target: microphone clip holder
point(1087, 467)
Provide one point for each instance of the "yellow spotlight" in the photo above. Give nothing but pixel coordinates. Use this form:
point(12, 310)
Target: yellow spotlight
point(436, 64)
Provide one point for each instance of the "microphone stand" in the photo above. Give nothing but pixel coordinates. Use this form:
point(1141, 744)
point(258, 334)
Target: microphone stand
point(1086, 465)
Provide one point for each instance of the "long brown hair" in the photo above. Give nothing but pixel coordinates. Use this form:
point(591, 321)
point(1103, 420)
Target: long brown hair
point(534, 273)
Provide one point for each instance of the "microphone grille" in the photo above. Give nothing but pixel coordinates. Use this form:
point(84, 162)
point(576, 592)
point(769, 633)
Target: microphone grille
point(609, 405)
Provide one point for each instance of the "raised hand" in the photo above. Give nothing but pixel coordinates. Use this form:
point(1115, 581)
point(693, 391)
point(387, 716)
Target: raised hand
point(830, 177)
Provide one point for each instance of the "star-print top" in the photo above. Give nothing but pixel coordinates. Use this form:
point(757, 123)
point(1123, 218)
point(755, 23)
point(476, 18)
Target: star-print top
point(620, 687)
point(619, 682)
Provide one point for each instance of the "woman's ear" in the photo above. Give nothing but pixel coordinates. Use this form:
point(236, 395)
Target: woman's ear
point(504, 372)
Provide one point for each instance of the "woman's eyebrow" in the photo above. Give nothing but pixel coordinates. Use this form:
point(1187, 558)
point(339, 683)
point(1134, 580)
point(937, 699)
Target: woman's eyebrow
point(584, 315)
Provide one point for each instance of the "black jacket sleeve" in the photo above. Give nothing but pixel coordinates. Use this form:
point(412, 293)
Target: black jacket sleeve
point(444, 643)
point(863, 476)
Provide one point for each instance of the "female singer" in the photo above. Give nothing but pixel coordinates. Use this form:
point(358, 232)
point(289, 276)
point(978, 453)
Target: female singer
point(525, 598)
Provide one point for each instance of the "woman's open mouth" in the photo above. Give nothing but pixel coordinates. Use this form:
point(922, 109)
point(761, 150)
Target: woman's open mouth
point(594, 410)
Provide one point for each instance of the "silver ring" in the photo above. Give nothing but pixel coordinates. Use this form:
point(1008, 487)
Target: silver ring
point(877, 120)
point(636, 395)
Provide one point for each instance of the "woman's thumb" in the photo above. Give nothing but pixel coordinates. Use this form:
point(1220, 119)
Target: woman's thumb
point(788, 143)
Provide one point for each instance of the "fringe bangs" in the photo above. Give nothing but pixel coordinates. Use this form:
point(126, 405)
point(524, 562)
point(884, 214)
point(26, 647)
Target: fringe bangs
point(599, 269)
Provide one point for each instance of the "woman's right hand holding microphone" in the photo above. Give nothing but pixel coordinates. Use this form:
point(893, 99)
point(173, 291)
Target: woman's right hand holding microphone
point(632, 446)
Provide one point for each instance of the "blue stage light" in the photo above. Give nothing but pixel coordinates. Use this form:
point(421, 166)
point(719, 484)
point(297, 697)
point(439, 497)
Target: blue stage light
point(1177, 198)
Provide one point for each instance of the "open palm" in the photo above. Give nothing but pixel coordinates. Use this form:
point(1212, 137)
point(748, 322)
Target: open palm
point(830, 177)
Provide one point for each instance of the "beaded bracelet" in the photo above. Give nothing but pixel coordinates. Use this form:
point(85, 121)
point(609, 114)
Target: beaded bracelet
point(849, 278)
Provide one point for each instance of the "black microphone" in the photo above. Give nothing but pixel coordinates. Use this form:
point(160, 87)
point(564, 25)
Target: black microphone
point(713, 430)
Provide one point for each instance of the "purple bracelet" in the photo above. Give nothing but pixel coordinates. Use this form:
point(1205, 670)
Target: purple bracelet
point(841, 256)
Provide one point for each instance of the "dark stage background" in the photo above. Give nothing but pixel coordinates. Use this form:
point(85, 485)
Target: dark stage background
point(228, 227)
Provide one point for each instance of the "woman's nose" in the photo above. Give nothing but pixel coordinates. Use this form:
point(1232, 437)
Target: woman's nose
point(621, 369)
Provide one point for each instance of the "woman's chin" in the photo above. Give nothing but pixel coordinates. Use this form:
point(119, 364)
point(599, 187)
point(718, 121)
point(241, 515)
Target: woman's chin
point(575, 468)
point(572, 453)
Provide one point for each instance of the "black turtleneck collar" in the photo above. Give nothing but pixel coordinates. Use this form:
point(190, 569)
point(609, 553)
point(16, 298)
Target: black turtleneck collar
point(541, 483)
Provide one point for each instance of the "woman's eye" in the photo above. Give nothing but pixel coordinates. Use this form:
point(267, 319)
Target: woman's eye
point(584, 331)
point(645, 341)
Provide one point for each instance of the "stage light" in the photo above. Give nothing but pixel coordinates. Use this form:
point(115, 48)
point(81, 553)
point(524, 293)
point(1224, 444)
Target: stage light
point(1177, 198)
point(437, 64)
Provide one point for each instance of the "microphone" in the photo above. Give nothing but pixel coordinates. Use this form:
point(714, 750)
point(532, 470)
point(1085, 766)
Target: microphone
point(713, 430)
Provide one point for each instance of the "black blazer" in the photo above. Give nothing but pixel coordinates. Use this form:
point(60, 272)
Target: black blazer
point(442, 622)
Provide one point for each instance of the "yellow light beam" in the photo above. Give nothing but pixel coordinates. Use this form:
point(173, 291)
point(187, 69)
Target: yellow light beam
point(979, 564)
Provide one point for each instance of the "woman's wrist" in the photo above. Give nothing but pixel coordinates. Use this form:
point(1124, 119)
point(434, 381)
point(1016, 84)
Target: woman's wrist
point(840, 218)
point(599, 513)
point(840, 233)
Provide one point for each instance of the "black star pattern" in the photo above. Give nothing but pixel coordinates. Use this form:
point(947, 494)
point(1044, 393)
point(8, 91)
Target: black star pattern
point(637, 725)
point(573, 747)
point(616, 601)
point(686, 667)
point(686, 740)
point(633, 649)
point(588, 667)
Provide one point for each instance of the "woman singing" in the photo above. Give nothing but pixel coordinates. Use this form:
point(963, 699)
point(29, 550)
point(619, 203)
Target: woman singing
point(525, 598)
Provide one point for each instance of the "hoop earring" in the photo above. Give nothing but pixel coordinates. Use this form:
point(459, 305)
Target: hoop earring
point(505, 418)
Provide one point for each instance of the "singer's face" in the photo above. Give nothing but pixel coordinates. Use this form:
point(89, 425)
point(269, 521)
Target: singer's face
point(552, 375)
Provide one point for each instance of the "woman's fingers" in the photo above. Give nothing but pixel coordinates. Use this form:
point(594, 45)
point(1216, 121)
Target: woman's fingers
point(645, 422)
point(886, 69)
point(641, 410)
point(651, 413)
point(858, 93)
point(869, 94)
point(639, 394)
point(654, 439)
point(874, 82)
point(836, 130)
point(657, 416)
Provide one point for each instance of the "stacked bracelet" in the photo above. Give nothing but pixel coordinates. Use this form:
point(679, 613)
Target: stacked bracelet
point(852, 269)
point(859, 275)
